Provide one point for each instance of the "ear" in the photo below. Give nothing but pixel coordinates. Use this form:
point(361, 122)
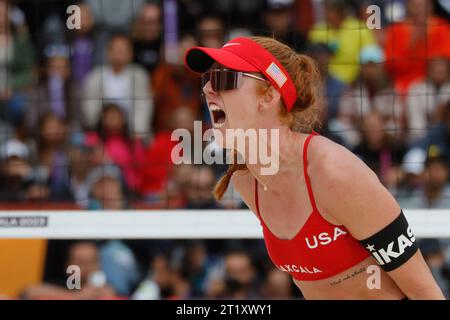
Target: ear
point(270, 99)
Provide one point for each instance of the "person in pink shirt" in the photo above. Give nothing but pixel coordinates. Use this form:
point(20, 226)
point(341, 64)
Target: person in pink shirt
point(126, 152)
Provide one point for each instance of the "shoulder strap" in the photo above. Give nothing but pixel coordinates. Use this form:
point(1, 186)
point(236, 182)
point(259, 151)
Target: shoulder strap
point(305, 169)
point(308, 183)
point(256, 200)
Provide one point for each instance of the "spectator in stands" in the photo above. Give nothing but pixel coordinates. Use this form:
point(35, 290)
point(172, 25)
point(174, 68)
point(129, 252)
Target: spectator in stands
point(411, 173)
point(106, 13)
point(434, 194)
point(233, 277)
point(158, 284)
point(7, 130)
point(178, 184)
point(174, 87)
point(93, 285)
point(158, 165)
point(333, 88)
point(49, 27)
point(106, 190)
point(55, 93)
point(380, 151)
point(438, 135)
point(148, 36)
point(215, 286)
point(52, 157)
point(435, 191)
point(86, 153)
point(240, 275)
point(410, 43)
point(120, 267)
point(84, 46)
point(371, 92)
point(125, 151)
point(211, 31)
point(122, 83)
point(195, 265)
point(181, 288)
point(279, 21)
point(199, 195)
point(112, 17)
point(307, 12)
point(427, 99)
point(16, 65)
point(18, 179)
point(277, 285)
point(346, 36)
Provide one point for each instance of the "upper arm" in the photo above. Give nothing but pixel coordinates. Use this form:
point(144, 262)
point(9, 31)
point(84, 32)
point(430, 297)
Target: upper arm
point(350, 192)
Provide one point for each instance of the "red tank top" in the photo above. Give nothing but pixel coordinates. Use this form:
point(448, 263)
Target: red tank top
point(319, 250)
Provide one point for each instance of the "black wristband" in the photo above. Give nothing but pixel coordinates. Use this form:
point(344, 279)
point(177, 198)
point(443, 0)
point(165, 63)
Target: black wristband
point(393, 245)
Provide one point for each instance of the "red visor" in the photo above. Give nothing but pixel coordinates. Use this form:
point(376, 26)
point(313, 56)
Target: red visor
point(243, 54)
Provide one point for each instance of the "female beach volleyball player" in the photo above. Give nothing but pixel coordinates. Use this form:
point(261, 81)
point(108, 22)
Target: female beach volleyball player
point(326, 218)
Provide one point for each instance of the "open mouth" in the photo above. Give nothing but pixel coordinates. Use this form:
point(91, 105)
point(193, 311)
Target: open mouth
point(218, 115)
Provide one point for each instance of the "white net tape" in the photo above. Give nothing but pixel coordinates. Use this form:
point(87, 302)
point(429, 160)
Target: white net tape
point(170, 224)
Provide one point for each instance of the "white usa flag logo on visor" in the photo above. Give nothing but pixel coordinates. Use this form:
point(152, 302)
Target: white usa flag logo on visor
point(276, 74)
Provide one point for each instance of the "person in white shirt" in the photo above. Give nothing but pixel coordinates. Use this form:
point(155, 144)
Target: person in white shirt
point(427, 99)
point(122, 83)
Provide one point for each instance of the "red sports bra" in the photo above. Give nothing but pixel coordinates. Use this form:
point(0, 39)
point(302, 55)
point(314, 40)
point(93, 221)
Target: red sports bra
point(319, 250)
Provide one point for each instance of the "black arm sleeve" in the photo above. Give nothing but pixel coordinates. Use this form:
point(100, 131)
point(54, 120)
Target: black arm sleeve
point(393, 245)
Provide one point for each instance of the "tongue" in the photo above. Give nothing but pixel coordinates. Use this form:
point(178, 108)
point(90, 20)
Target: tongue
point(220, 119)
point(219, 116)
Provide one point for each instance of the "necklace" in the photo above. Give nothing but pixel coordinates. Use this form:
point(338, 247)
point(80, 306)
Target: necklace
point(265, 183)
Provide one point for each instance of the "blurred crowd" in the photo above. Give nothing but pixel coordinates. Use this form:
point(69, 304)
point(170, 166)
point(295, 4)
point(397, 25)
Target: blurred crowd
point(86, 117)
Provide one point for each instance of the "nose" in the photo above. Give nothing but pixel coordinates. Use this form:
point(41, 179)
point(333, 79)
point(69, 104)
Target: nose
point(208, 90)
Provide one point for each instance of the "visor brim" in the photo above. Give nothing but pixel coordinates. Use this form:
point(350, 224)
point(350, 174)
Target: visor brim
point(200, 59)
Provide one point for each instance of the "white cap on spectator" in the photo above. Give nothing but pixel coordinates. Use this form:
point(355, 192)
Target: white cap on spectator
point(100, 172)
point(14, 148)
point(372, 53)
point(414, 161)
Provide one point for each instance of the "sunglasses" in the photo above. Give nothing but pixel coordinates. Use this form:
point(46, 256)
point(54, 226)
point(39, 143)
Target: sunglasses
point(226, 79)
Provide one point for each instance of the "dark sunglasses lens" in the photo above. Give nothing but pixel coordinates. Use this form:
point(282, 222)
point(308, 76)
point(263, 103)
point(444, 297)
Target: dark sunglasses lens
point(221, 80)
point(205, 78)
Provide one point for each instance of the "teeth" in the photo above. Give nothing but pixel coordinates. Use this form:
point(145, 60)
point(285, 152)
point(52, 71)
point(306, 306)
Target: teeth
point(214, 107)
point(218, 125)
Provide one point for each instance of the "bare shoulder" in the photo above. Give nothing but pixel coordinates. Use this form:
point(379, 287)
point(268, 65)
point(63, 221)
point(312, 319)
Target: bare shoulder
point(346, 189)
point(333, 162)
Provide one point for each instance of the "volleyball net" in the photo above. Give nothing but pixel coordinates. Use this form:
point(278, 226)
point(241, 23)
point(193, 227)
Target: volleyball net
point(170, 224)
